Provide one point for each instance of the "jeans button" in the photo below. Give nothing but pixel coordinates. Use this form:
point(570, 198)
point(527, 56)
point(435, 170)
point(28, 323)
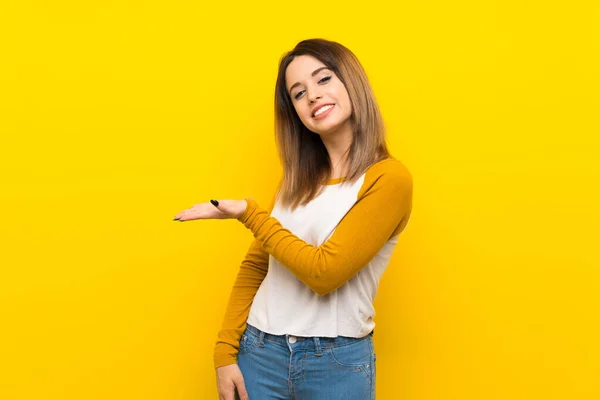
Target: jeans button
point(292, 339)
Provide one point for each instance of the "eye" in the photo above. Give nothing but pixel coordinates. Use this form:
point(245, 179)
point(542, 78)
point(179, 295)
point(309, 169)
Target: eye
point(324, 80)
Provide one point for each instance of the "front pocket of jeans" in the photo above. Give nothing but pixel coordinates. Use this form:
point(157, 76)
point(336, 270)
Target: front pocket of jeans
point(247, 343)
point(352, 357)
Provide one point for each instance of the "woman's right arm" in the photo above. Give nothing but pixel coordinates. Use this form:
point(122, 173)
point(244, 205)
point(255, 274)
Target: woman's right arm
point(251, 274)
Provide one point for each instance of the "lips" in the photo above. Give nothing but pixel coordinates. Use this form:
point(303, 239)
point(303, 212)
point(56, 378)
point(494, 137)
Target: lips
point(314, 110)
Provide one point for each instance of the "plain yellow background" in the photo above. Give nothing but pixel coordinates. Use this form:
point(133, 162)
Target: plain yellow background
point(116, 115)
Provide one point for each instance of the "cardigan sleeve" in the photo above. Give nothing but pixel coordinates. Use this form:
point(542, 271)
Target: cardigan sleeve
point(252, 272)
point(382, 210)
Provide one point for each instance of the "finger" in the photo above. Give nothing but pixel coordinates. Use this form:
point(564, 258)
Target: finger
point(228, 394)
point(241, 388)
point(220, 389)
point(180, 215)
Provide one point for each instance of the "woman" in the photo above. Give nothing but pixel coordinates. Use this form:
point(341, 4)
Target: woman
point(299, 321)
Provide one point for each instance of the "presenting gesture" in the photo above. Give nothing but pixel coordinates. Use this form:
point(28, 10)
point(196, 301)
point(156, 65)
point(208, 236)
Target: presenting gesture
point(214, 209)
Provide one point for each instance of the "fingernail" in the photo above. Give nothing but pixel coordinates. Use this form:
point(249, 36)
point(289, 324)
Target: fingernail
point(215, 203)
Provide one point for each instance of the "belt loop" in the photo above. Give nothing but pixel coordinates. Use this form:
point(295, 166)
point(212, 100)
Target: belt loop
point(317, 346)
point(261, 336)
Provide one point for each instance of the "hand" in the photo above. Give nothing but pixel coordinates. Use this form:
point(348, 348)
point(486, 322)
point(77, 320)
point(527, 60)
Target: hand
point(226, 209)
point(229, 378)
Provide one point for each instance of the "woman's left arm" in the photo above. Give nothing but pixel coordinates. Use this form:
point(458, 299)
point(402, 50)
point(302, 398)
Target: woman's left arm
point(382, 211)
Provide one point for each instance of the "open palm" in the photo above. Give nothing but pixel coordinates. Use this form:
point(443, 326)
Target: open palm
point(226, 209)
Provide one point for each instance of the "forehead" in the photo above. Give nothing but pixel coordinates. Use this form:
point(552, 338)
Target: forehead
point(300, 68)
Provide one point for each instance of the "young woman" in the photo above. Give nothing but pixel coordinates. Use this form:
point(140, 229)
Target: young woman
point(299, 321)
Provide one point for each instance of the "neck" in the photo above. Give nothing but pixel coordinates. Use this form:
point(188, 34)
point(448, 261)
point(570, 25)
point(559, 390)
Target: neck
point(338, 146)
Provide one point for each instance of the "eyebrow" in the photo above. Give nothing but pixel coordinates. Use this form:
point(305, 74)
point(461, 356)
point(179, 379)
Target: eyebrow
point(316, 71)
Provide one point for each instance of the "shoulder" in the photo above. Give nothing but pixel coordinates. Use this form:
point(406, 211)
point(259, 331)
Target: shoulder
point(387, 179)
point(389, 172)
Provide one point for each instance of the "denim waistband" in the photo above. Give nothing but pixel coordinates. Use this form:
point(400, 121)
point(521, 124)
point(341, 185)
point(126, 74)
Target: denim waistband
point(304, 341)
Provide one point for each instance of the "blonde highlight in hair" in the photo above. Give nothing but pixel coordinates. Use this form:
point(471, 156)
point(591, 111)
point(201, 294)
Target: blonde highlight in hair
point(304, 157)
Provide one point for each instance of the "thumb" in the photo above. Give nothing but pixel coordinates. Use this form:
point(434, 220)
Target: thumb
point(241, 387)
point(230, 208)
point(224, 207)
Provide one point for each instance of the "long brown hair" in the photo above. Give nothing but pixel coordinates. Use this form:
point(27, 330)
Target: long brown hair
point(304, 157)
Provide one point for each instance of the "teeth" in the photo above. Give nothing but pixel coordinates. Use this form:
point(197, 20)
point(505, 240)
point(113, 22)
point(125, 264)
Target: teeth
point(323, 109)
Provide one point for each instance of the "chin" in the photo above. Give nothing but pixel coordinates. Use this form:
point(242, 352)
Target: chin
point(334, 127)
point(325, 133)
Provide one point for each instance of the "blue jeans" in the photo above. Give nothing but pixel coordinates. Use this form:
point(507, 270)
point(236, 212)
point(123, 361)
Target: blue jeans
point(306, 368)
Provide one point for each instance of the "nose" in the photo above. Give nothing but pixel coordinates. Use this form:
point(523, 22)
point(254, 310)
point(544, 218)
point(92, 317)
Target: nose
point(314, 96)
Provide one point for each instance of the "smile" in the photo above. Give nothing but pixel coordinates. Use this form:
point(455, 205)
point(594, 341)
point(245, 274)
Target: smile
point(323, 111)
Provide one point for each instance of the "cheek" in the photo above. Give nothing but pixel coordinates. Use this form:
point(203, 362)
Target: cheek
point(342, 95)
point(348, 104)
point(346, 98)
point(303, 114)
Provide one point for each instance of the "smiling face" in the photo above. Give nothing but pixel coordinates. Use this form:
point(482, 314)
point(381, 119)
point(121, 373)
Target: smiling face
point(311, 86)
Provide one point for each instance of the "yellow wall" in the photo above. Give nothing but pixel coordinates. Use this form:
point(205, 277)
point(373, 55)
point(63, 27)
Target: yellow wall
point(114, 116)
